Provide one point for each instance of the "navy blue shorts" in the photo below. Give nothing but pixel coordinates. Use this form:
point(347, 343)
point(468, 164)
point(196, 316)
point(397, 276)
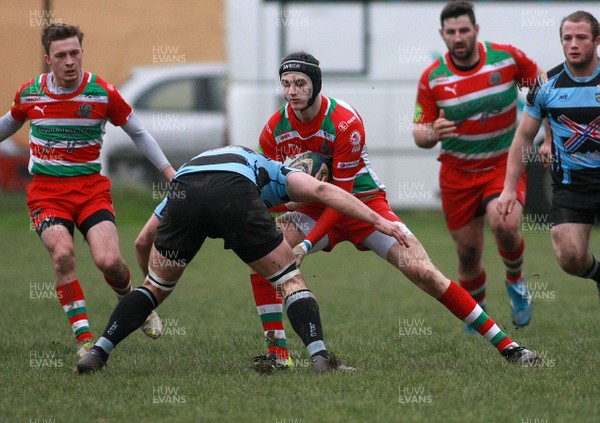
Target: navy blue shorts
point(216, 205)
point(569, 206)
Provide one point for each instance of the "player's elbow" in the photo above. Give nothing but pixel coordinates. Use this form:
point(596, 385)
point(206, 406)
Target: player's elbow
point(421, 140)
point(322, 190)
point(326, 193)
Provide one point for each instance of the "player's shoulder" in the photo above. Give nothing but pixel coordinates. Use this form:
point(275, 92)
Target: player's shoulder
point(543, 81)
point(32, 86)
point(547, 77)
point(342, 111)
point(509, 49)
point(492, 45)
point(279, 114)
point(434, 69)
point(273, 121)
point(555, 72)
point(99, 81)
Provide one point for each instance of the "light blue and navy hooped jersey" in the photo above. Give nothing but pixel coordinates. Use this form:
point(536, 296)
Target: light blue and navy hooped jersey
point(268, 175)
point(572, 105)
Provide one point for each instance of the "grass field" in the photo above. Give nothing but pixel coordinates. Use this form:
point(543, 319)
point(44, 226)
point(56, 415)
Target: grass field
point(415, 362)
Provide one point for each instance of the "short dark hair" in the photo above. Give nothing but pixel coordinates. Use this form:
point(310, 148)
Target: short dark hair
point(454, 9)
point(582, 16)
point(59, 31)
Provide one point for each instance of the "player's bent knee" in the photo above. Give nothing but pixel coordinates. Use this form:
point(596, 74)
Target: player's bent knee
point(108, 263)
point(572, 264)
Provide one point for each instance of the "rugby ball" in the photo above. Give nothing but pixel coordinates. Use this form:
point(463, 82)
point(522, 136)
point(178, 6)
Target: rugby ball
point(312, 163)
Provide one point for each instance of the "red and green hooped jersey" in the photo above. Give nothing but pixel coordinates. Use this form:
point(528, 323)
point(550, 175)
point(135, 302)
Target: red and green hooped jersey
point(336, 132)
point(482, 102)
point(65, 135)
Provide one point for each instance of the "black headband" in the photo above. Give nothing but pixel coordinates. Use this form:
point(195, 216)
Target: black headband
point(299, 66)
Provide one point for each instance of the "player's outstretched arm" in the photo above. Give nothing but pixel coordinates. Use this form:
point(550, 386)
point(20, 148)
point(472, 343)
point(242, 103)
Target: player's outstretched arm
point(148, 146)
point(8, 126)
point(517, 158)
point(303, 187)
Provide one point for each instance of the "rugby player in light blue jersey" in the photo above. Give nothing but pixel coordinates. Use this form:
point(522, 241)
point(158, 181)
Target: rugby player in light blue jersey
point(569, 95)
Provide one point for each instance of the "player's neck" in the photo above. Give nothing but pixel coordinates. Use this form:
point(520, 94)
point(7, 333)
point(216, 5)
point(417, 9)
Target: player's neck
point(587, 69)
point(468, 63)
point(60, 85)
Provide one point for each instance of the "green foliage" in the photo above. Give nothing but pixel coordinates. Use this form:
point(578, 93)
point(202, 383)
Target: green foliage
point(199, 370)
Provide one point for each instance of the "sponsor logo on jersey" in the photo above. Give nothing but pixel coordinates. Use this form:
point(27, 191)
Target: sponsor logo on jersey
point(32, 99)
point(283, 137)
point(342, 126)
point(451, 89)
point(41, 109)
point(495, 78)
point(580, 133)
point(355, 139)
point(85, 110)
point(348, 165)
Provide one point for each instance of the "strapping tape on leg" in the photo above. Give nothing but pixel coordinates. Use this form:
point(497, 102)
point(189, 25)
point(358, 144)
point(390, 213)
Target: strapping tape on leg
point(159, 282)
point(298, 295)
point(284, 275)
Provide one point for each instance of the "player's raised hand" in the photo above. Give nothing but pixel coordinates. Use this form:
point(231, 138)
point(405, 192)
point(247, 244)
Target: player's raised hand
point(443, 128)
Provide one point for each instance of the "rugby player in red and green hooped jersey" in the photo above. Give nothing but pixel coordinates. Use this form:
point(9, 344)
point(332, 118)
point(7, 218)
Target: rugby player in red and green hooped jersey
point(67, 110)
point(467, 101)
point(312, 121)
